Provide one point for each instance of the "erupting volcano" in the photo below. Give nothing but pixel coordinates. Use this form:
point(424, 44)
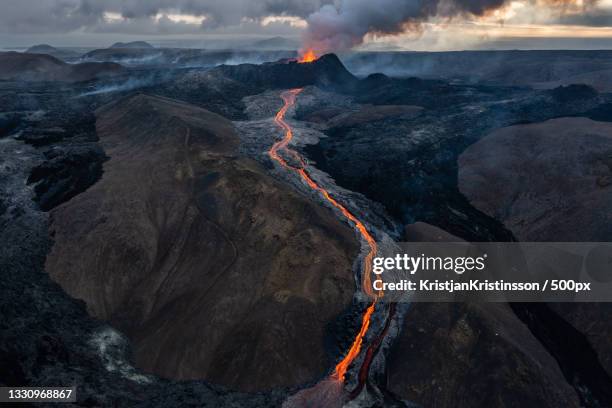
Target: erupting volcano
point(199, 220)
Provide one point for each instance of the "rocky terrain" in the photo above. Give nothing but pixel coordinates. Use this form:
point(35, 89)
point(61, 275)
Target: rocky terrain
point(473, 354)
point(184, 218)
point(411, 166)
point(547, 68)
point(599, 79)
point(536, 177)
point(47, 337)
point(181, 57)
point(155, 256)
point(550, 181)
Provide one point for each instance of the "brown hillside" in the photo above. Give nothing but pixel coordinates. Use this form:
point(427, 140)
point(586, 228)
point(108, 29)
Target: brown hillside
point(213, 269)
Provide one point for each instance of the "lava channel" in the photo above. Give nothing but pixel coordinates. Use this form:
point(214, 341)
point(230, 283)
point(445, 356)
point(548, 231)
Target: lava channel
point(289, 98)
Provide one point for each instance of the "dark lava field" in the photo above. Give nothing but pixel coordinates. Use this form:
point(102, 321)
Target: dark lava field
point(153, 254)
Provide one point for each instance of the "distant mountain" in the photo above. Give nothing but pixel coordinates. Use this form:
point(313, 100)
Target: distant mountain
point(50, 50)
point(41, 49)
point(129, 56)
point(133, 44)
point(275, 43)
point(189, 57)
point(43, 67)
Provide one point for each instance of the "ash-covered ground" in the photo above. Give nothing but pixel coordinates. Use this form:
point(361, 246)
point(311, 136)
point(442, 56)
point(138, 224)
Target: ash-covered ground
point(134, 194)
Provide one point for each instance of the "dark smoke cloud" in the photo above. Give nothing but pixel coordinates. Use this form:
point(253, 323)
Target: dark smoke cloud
point(344, 27)
point(478, 7)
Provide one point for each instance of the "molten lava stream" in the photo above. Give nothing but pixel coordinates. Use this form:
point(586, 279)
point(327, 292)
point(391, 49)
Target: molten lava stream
point(289, 98)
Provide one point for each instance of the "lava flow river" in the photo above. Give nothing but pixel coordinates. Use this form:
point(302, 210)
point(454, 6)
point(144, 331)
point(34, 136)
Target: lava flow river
point(289, 98)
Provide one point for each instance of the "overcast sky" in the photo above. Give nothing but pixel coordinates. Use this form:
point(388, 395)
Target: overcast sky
point(94, 23)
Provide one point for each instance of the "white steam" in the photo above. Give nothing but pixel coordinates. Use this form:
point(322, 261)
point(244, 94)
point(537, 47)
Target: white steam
point(343, 27)
point(340, 29)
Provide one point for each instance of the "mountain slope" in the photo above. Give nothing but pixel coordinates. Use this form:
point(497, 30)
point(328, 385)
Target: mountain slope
point(471, 354)
point(204, 261)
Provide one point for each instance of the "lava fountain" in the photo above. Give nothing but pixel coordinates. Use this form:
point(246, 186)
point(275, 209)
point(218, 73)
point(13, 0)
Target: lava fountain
point(307, 56)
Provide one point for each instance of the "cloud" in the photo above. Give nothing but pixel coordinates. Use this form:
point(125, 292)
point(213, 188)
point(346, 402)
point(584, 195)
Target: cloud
point(337, 24)
point(43, 16)
point(592, 18)
point(144, 16)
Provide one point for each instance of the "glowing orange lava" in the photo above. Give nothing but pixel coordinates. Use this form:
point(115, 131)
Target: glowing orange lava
point(289, 98)
point(308, 56)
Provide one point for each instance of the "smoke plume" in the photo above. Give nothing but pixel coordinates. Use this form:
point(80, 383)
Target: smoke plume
point(344, 27)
